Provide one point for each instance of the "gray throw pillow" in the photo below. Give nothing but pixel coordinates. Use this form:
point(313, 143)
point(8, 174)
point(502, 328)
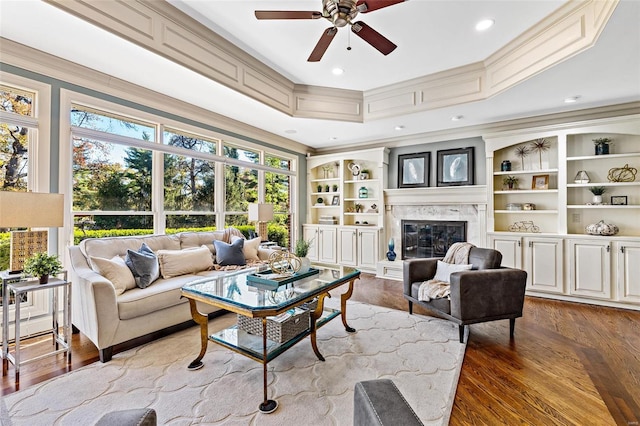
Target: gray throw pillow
point(229, 254)
point(144, 265)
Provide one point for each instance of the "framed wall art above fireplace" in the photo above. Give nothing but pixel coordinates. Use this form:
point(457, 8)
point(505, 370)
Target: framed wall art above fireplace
point(455, 167)
point(414, 170)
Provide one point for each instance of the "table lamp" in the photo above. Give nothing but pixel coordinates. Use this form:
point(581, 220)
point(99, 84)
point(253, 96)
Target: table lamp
point(29, 210)
point(261, 213)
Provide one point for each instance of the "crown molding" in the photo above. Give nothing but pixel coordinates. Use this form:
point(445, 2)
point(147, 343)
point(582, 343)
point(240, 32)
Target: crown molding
point(489, 130)
point(34, 60)
point(162, 28)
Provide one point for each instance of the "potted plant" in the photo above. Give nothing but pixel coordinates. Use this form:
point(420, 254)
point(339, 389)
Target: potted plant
point(602, 145)
point(42, 265)
point(335, 188)
point(301, 250)
point(597, 192)
point(510, 181)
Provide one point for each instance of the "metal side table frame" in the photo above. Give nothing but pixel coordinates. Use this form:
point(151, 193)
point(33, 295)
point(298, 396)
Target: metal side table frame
point(61, 341)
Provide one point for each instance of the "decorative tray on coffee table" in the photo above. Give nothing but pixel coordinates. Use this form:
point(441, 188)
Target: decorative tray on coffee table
point(271, 281)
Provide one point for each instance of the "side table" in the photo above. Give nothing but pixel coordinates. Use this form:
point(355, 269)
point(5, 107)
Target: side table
point(22, 287)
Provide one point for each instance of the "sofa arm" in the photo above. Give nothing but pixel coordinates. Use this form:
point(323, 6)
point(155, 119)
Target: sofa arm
point(418, 270)
point(264, 253)
point(95, 307)
point(487, 293)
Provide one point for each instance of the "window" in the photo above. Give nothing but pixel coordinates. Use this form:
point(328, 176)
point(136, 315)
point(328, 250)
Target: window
point(151, 174)
point(14, 138)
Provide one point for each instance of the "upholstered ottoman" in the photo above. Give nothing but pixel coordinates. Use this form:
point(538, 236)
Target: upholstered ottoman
point(379, 402)
point(134, 417)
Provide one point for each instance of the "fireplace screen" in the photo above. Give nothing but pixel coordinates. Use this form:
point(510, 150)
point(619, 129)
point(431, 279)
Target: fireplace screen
point(430, 238)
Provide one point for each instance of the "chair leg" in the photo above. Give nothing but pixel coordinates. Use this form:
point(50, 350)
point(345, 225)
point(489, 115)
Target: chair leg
point(461, 331)
point(410, 307)
point(512, 326)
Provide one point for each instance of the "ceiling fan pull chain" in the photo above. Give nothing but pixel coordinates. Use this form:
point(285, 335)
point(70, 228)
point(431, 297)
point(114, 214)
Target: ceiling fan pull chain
point(349, 40)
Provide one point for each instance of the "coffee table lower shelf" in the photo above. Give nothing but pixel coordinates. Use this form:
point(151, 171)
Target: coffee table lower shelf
point(250, 345)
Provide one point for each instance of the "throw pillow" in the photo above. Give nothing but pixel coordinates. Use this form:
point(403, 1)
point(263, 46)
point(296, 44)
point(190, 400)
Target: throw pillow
point(250, 248)
point(116, 271)
point(144, 265)
point(444, 270)
point(180, 262)
point(230, 254)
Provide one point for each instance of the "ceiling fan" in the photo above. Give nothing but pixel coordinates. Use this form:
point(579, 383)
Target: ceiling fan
point(339, 13)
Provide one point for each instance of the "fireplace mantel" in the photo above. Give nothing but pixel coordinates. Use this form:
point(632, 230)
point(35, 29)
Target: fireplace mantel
point(476, 194)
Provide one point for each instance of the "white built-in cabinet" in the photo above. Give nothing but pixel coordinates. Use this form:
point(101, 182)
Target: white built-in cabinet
point(352, 206)
point(541, 257)
point(358, 246)
point(550, 241)
point(323, 243)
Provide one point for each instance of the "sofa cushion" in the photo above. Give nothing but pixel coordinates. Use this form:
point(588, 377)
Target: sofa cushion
point(108, 247)
point(444, 270)
point(180, 262)
point(230, 254)
point(164, 293)
point(116, 271)
point(199, 239)
point(250, 248)
point(144, 265)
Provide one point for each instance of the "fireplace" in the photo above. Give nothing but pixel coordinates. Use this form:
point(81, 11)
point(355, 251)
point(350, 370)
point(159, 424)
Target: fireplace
point(430, 238)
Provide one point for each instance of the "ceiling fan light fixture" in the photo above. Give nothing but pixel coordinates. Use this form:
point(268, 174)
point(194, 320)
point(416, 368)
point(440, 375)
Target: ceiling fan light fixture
point(485, 24)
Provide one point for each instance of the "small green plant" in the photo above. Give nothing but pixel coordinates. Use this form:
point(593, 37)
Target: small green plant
point(600, 141)
point(41, 264)
point(302, 247)
point(597, 190)
point(510, 181)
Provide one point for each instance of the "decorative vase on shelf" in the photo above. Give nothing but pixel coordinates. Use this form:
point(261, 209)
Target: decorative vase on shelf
point(597, 199)
point(391, 255)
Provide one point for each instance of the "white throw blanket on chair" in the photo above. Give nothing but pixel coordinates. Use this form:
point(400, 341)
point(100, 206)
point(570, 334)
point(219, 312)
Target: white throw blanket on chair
point(457, 254)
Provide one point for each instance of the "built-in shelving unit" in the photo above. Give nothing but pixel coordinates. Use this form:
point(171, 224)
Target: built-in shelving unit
point(346, 210)
point(562, 260)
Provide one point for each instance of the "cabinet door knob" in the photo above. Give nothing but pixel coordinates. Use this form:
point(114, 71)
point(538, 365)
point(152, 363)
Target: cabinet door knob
point(608, 248)
point(530, 243)
point(622, 249)
point(519, 244)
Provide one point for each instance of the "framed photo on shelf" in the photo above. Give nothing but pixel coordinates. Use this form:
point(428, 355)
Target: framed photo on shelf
point(336, 200)
point(618, 200)
point(414, 170)
point(540, 182)
point(455, 167)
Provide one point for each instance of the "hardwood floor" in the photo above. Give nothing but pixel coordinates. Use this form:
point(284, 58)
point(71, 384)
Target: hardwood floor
point(569, 363)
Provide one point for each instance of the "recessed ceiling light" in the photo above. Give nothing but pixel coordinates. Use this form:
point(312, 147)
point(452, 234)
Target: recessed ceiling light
point(400, 127)
point(571, 100)
point(291, 131)
point(457, 117)
point(337, 71)
point(333, 138)
point(485, 24)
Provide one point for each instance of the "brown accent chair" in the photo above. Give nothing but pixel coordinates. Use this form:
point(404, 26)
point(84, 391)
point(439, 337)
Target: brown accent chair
point(487, 292)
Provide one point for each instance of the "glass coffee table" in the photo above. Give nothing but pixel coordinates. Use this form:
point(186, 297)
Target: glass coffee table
point(234, 293)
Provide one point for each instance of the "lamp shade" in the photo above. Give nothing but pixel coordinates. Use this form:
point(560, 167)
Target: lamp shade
point(31, 210)
point(260, 212)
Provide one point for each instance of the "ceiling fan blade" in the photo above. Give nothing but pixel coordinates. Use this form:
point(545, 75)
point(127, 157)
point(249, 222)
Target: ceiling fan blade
point(365, 6)
point(323, 44)
point(374, 38)
point(287, 14)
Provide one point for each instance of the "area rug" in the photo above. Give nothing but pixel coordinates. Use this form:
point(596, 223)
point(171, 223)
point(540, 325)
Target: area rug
point(422, 356)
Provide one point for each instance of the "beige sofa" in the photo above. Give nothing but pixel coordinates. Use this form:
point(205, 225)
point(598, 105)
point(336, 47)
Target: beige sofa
point(109, 318)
